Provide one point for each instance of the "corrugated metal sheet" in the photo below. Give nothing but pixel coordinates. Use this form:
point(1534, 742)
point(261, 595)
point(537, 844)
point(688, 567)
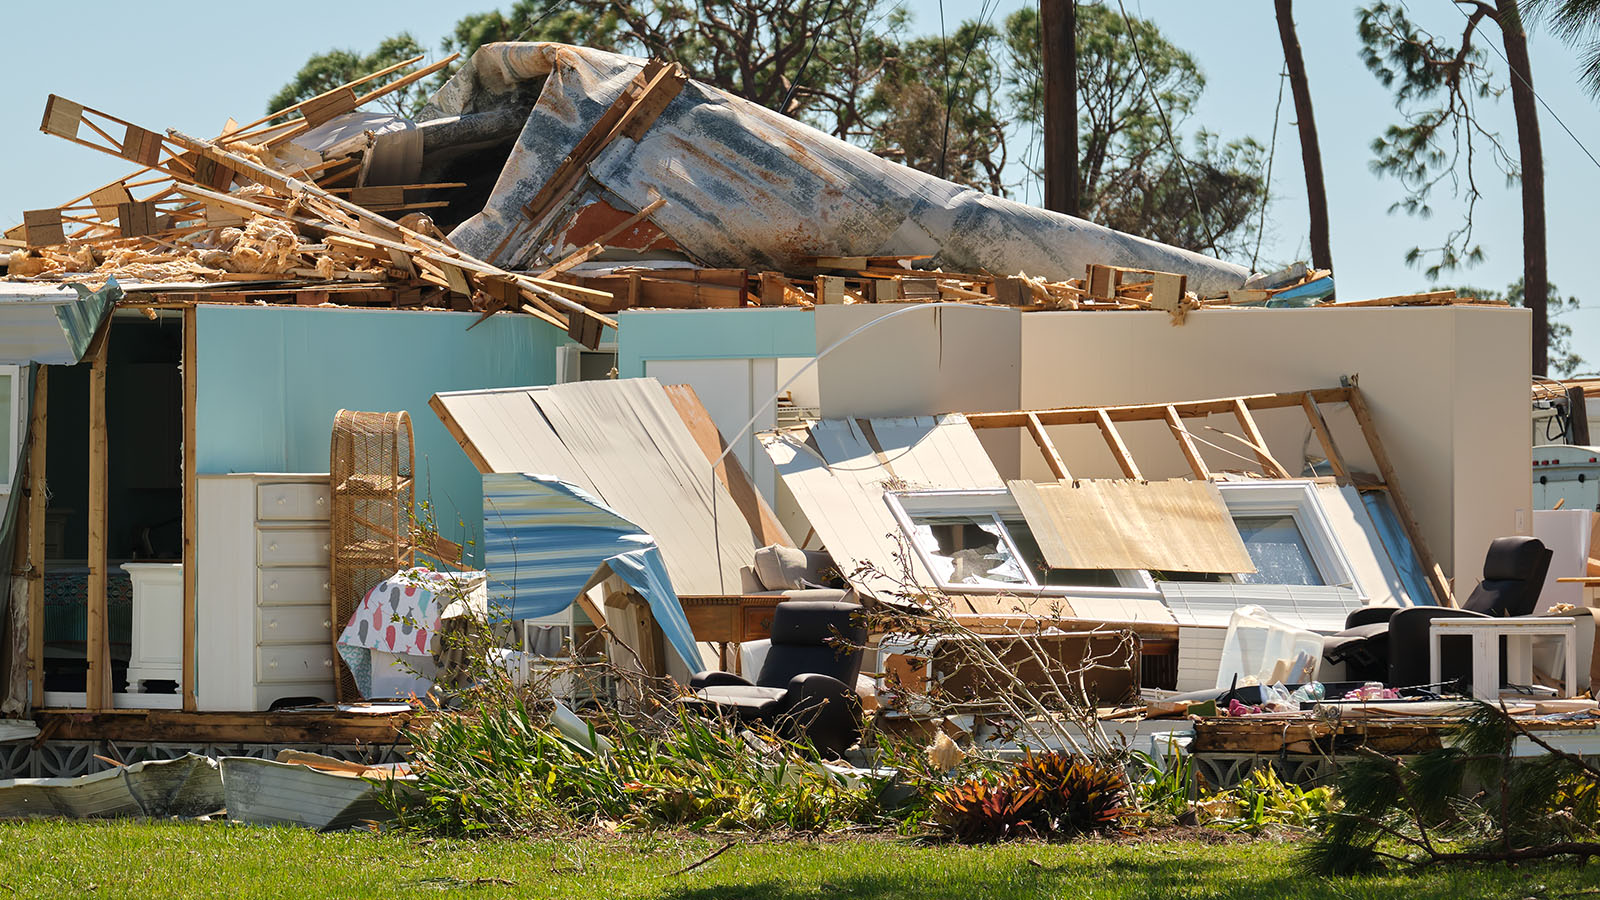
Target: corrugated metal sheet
point(747, 187)
point(51, 323)
point(623, 445)
point(543, 539)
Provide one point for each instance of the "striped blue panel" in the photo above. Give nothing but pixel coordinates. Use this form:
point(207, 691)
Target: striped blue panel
point(543, 538)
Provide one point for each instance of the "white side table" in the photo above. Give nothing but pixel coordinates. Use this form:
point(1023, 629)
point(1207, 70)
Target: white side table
point(1519, 633)
point(157, 651)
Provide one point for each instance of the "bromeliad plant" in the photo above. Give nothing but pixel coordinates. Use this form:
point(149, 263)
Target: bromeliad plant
point(1051, 795)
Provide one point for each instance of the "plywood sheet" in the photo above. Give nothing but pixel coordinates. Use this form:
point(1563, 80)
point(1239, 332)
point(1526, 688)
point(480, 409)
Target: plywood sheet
point(1177, 525)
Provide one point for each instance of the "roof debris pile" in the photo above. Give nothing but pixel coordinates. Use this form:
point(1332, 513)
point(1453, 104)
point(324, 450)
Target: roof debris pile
point(569, 183)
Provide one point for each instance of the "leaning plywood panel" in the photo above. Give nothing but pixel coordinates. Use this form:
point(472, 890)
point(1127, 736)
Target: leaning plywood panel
point(749, 187)
point(1175, 526)
point(757, 514)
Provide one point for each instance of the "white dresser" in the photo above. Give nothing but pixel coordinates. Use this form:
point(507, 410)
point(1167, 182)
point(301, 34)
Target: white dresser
point(263, 611)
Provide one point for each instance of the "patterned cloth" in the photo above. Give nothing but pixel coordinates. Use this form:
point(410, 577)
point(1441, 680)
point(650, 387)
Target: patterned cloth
point(401, 615)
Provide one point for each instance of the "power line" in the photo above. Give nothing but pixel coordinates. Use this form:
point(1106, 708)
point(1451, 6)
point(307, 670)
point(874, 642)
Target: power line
point(984, 12)
point(1272, 153)
point(1518, 75)
point(1166, 126)
point(815, 40)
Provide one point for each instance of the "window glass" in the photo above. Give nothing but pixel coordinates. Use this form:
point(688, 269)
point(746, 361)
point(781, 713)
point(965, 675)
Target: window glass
point(1033, 558)
point(1279, 550)
point(967, 550)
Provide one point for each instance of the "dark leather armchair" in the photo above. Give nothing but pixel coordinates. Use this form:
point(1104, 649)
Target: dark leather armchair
point(806, 686)
point(1390, 644)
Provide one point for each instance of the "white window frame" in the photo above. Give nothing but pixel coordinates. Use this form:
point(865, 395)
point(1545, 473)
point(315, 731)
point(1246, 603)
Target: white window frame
point(14, 428)
point(1297, 499)
point(999, 505)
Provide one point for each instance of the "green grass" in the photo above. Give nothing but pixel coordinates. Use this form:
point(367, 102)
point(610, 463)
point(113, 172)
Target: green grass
point(150, 860)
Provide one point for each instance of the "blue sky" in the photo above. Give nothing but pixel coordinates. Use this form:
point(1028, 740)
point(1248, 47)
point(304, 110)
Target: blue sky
point(162, 65)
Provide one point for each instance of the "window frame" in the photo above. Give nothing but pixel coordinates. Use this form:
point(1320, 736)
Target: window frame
point(1298, 500)
point(15, 428)
point(999, 506)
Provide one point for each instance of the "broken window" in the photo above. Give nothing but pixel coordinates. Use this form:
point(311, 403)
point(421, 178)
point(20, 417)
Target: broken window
point(1279, 549)
point(968, 550)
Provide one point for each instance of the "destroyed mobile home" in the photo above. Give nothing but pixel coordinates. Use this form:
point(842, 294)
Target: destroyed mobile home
point(646, 373)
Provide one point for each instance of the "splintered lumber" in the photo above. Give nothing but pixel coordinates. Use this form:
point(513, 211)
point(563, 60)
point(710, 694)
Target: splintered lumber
point(415, 243)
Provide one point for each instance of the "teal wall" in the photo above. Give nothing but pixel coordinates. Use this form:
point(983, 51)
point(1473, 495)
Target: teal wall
point(711, 334)
point(272, 377)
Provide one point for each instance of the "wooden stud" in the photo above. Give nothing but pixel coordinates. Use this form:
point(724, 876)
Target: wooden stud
point(1435, 574)
point(585, 330)
point(98, 687)
point(1325, 437)
point(37, 431)
point(1108, 430)
point(191, 510)
point(1252, 435)
point(388, 195)
point(1052, 457)
point(1186, 444)
point(1101, 282)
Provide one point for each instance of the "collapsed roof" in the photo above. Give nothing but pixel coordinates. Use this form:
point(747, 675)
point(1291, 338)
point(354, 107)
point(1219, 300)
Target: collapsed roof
point(745, 186)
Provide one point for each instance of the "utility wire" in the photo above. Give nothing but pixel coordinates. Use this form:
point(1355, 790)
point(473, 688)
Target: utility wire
point(1166, 126)
point(815, 40)
point(1536, 95)
point(984, 12)
point(1272, 154)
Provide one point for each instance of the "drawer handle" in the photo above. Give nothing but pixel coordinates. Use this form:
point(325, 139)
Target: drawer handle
point(273, 624)
point(327, 664)
point(321, 500)
point(280, 501)
point(327, 546)
point(273, 547)
point(327, 623)
point(325, 585)
point(273, 586)
point(273, 664)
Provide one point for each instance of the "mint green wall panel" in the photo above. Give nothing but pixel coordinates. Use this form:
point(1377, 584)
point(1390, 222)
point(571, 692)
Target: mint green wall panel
point(711, 334)
point(271, 379)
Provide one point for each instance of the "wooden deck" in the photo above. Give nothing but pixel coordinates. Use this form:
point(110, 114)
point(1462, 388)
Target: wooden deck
point(310, 726)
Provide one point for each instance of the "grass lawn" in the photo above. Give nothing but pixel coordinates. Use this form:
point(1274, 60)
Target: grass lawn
point(149, 860)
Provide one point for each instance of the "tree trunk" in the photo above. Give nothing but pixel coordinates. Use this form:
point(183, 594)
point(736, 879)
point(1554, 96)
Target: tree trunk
point(1310, 150)
point(1535, 274)
point(1059, 50)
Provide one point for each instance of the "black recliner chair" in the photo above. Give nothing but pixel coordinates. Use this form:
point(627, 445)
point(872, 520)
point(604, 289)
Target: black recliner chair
point(806, 687)
point(1390, 644)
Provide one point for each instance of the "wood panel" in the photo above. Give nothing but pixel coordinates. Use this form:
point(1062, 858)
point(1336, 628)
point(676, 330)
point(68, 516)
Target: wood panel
point(1176, 525)
point(98, 687)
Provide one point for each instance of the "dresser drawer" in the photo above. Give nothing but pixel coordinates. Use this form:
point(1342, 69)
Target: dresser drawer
point(292, 547)
point(293, 624)
point(294, 662)
point(292, 500)
point(293, 587)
